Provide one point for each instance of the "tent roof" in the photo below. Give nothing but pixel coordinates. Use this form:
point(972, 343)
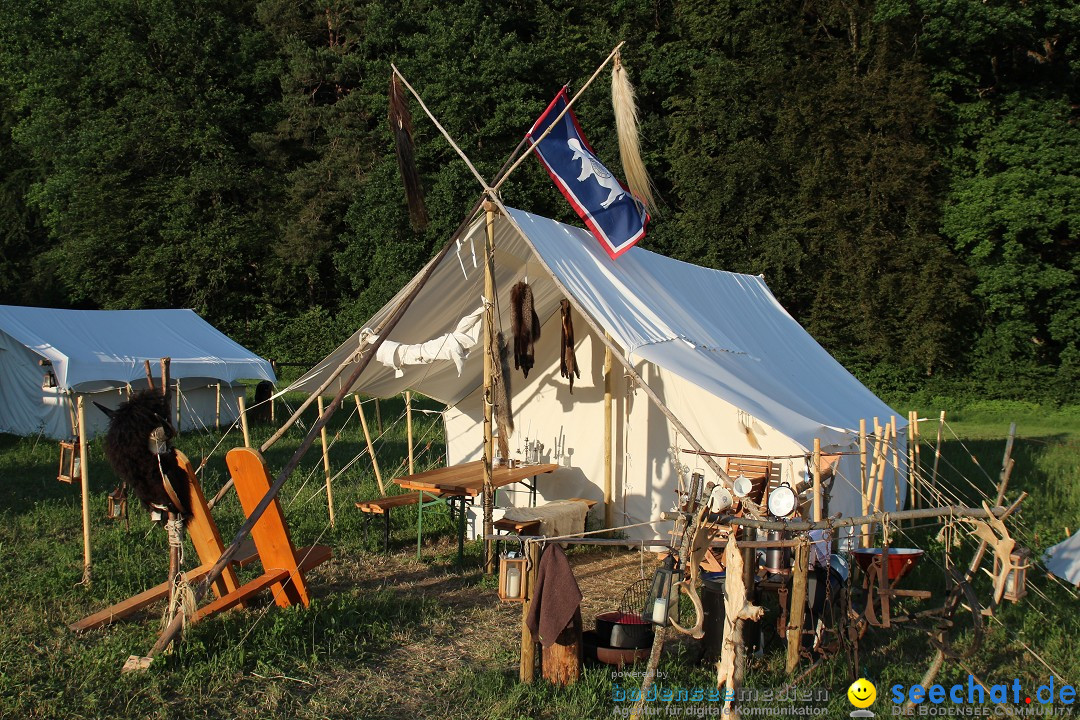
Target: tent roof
point(93, 348)
point(1063, 559)
point(724, 332)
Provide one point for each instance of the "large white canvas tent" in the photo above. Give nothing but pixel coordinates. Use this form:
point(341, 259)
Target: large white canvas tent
point(737, 370)
point(100, 354)
point(1063, 559)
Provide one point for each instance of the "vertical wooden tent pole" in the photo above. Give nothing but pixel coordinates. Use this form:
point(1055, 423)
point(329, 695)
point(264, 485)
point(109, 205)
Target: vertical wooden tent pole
point(527, 664)
point(911, 459)
point(409, 433)
point(370, 447)
point(378, 416)
point(217, 406)
point(326, 464)
point(179, 399)
point(937, 450)
point(895, 463)
point(165, 363)
point(863, 480)
point(817, 479)
point(241, 405)
point(917, 462)
point(609, 508)
point(84, 475)
point(489, 324)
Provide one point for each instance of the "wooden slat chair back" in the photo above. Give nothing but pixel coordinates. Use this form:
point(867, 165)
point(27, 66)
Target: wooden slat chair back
point(758, 471)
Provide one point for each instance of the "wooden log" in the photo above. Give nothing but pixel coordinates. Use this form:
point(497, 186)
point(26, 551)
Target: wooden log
point(241, 405)
point(797, 608)
point(527, 666)
point(370, 447)
point(84, 477)
point(817, 479)
point(326, 465)
point(609, 505)
point(561, 660)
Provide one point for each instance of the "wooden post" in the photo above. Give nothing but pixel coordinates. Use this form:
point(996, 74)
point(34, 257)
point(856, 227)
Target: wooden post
point(408, 425)
point(165, 362)
point(911, 422)
point(326, 464)
point(918, 454)
point(241, 403)
point(817, 480)
point(178, 401)
point(937, 450)
point(378, 416)
point(895, 463)
point(797, 609)
point(561, 660)
point(527, 668)
point(609, 506)
point(149, 374)
point(217, 407)
point(489, 324)
point(370, 447)
point(864, 480)
point(879, 481)
point(84, 475)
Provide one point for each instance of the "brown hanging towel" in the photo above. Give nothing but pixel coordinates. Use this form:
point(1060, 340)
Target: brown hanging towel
point(524, 326)
point(567, 361)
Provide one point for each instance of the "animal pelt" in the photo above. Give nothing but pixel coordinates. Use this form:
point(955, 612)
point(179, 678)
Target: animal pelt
point(524, 326)
point(500, 390)
point(402, 129)
point(568, 367)
point(127, 447)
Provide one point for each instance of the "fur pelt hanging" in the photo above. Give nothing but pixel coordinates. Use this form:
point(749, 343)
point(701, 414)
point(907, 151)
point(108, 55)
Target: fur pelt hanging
point(524, 326)
point(500, 392)
point(568, 367)
point(401, 127)
point(128, 449)
point(626, 124)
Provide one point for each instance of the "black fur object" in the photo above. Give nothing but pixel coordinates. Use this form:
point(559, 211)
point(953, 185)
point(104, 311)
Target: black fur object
point(524, 326)
point(127, 447)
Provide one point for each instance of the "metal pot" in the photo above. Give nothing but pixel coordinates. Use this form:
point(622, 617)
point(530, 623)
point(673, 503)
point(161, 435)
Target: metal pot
point(623, 630)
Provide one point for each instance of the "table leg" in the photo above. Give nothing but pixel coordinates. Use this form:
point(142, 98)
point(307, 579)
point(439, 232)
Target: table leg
point(461, 532)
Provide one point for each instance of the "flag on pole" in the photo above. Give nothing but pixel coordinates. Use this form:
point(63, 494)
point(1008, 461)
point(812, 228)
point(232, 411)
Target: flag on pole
point(609, 210)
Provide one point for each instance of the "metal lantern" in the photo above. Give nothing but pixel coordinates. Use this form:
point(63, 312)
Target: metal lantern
point(1016, 580)
point(70, 470)
point(661, 593)
point(512, 578)
point(117, 503)
point(48, 382)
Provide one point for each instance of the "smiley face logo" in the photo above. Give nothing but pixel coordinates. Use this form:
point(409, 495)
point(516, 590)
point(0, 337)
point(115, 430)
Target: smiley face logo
point(862, 693)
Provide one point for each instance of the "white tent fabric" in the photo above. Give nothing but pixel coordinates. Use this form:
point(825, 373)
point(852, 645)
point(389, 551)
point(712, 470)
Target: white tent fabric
point(1063, 559)
point(100, 352)
point(716, 346)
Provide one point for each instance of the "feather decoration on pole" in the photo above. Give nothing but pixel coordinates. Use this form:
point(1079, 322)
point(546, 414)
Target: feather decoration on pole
point(401, 127)
point(626, 122)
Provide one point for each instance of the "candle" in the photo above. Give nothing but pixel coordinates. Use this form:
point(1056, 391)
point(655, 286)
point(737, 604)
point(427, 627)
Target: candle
point(659, 611)
point(513, 583)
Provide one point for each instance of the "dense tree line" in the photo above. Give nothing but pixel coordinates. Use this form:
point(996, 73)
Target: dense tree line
point(905, 173)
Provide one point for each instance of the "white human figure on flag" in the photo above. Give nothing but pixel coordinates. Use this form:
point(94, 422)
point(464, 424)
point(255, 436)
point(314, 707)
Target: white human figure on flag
point(591, 167)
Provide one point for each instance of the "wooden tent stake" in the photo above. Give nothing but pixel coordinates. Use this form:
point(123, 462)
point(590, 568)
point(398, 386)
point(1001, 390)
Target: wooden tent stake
point(84, 475)
point(370, 447)
point(326, 466)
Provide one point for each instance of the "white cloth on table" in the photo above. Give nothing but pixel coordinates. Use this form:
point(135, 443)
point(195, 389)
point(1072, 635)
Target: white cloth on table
point(557, 518)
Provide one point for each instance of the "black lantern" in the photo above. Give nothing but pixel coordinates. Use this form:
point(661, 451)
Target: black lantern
point(661, 593)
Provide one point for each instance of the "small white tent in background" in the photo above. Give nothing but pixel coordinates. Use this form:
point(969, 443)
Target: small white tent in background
point(100, 354)
point(736, 369)
point(1063, 559)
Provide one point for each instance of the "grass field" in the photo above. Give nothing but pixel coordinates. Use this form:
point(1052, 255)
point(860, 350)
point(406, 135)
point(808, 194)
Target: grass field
point(393, 637)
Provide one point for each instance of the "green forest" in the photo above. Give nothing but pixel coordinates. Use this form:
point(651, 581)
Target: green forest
point(904, 173)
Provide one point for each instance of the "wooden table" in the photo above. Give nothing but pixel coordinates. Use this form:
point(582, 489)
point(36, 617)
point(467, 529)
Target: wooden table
point(458, 482)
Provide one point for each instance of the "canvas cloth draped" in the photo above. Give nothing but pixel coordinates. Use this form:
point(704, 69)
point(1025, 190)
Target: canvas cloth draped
point(453, 346)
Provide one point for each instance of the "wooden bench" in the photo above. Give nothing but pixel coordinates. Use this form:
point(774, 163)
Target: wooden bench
point(383, 506)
